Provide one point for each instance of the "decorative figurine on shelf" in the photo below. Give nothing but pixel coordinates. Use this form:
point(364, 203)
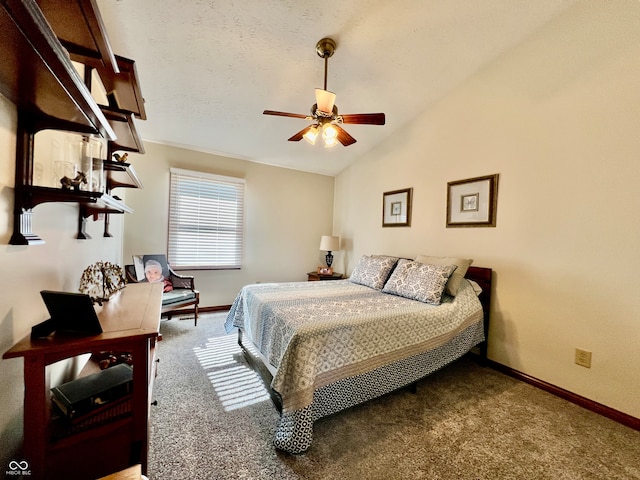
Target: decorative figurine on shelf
point(121, 158)
point(73, 183)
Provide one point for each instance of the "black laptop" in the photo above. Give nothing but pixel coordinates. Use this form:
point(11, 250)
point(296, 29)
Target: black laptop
point(71, 313)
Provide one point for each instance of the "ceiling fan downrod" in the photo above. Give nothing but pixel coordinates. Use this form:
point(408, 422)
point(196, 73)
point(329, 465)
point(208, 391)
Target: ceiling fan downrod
point(325, 48)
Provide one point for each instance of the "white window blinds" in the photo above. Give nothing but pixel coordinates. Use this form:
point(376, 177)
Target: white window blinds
point(206, 220)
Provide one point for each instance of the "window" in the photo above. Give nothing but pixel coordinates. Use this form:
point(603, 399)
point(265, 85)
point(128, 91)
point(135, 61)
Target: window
point(206, 220)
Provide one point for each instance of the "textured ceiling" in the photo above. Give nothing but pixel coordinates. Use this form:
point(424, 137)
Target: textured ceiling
point(209, 68)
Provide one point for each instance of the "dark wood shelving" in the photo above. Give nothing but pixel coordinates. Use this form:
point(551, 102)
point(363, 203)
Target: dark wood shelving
point(122, 88)
point(103, 206)
point(35, 195)
point(87, 40)
point(37, 74)
point(123, 125)
point(39, 39)
point(120, 174)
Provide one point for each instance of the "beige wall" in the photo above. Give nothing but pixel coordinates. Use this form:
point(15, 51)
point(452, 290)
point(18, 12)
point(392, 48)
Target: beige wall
point(558, 118)
point(56, 265)
point(286, 213)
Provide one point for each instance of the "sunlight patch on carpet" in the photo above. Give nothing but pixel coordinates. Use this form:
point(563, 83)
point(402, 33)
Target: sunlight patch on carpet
point(236, 385)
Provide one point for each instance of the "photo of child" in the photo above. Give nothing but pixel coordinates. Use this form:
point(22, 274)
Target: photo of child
point(156, 269)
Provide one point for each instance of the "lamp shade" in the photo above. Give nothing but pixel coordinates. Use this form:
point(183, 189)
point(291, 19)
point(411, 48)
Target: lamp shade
point(325, 100)
point(329, 243)
point(311, 135)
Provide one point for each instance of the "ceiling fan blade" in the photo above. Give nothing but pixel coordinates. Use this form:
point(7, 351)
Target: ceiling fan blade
point(284, 114)
point(343, 136)
point(298, 136)
point(364, 118)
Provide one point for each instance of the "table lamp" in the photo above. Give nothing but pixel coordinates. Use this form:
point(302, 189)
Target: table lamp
point(329, 244)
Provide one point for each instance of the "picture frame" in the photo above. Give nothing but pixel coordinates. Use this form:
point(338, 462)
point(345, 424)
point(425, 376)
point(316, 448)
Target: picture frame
point(138, 265)
point(140, 262)
point(396, 208)
point(472, 202)
point(325, 271)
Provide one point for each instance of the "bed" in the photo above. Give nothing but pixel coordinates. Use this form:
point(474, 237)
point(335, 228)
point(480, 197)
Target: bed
point(322, 347)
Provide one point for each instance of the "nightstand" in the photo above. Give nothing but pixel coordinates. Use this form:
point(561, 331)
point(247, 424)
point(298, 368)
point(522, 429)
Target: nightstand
point(315, 276)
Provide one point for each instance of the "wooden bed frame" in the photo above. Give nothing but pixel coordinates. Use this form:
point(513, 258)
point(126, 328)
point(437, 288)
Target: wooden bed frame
point(481, 275)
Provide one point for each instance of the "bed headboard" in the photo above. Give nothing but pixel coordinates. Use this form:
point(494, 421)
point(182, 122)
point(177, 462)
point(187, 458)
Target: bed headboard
point(483, 276)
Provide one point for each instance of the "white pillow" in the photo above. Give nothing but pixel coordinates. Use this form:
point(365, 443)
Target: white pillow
point(476, 287)
point(456, 279)
point(419, 281)
point(373, 270)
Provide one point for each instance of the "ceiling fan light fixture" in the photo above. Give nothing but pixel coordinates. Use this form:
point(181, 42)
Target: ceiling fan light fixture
point(329, 135)
point(332, 142)
point(325, 100)
point(311, 135)
point(324, 113)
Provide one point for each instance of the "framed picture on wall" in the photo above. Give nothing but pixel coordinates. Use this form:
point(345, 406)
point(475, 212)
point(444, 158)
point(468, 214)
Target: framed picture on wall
point(472, 202)
point(396, 208)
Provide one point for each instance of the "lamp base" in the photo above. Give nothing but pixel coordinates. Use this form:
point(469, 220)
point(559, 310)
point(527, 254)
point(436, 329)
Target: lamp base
point(329, 259)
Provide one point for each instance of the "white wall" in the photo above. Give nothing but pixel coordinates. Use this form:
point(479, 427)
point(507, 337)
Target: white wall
point(558, 118)
point(25, 270)
point(286, 213)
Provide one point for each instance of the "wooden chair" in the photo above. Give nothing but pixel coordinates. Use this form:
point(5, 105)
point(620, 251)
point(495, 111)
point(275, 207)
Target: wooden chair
point(184, 294)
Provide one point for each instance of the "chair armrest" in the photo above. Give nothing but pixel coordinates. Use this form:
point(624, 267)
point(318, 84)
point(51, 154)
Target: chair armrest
point(181, 281)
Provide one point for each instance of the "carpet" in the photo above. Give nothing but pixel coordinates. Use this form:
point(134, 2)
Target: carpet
point(214, 420)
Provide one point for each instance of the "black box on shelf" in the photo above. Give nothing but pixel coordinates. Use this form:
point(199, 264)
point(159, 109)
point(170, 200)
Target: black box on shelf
point(81, 396)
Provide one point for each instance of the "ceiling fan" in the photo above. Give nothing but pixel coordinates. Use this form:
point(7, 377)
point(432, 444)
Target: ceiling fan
point(324, 113)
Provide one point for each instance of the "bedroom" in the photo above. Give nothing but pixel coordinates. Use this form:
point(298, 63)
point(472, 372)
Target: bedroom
point(557, 117)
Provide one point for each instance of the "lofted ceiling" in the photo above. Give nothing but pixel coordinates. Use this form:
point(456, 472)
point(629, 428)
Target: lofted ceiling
point(209, 68)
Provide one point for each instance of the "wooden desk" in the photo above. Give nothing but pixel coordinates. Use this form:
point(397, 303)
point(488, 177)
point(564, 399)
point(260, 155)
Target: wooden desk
point(130, 321)
point(131, 473)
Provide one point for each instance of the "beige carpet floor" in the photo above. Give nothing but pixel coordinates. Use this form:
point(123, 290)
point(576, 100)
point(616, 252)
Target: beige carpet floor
point(214, 421)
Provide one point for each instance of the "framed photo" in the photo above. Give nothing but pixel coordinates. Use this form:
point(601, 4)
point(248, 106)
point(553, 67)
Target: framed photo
point(151, 267)
point(396, 208)
point(472, 202)
point(325, 270)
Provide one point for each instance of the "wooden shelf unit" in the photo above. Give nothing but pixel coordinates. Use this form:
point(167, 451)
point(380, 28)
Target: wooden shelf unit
point(130, 321)
point(121, 174)
point(38, 76)
point(86, 39)
point(39, 39)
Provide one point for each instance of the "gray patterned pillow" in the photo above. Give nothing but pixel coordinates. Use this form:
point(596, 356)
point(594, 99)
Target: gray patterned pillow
point(373, 270)
point(419, 281)
point(456, 278)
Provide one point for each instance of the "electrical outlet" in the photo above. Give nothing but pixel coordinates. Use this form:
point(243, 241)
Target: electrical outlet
point(583, 358)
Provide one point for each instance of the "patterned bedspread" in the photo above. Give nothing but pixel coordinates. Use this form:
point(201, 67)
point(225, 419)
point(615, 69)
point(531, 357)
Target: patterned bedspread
point(318, 334)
